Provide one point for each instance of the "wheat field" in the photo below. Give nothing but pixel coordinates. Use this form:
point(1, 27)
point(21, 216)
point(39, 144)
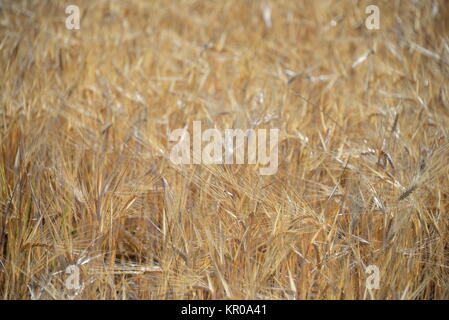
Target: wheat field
point(87, 184)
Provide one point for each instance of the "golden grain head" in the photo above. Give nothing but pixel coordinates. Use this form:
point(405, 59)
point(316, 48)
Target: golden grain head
point(86, 178)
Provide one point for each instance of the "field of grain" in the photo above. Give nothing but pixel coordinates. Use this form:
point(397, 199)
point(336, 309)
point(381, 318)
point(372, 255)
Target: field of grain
point(87, 187)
